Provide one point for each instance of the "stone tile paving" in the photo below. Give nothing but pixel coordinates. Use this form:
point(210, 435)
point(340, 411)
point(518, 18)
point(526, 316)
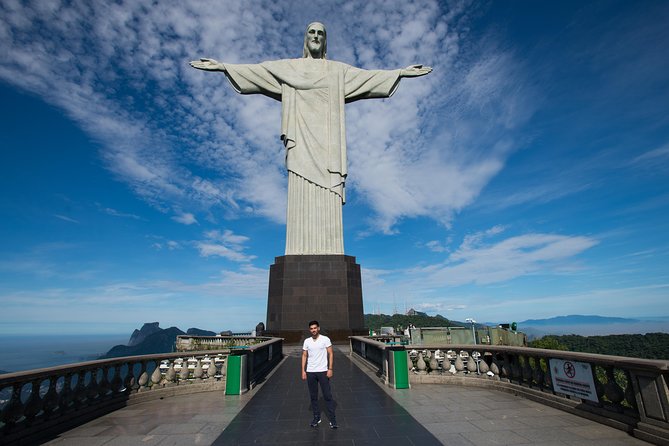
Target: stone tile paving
point(368, 414)
point(459, 415)
point(196, 419)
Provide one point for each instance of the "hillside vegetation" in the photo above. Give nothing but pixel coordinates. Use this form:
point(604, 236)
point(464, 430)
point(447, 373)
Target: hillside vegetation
point(648, 346)
point(376, 321)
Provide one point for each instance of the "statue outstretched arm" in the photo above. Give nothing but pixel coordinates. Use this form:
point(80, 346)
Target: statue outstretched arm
point(244, 78)
point(414, 71)
point(208, 65)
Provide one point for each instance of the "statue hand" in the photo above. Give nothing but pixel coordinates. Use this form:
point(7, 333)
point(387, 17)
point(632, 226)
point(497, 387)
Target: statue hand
point(415, 70)
point(207, 64)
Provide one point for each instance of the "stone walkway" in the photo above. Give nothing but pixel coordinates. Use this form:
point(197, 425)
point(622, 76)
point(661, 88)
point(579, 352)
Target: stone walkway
point(368, 414)
point(280, 412)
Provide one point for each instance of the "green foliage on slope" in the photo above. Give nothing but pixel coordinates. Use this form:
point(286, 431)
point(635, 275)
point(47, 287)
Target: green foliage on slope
point(648, 346)
point(549, 343)
point(376, 321)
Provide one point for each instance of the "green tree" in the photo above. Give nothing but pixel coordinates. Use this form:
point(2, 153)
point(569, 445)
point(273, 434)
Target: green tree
point(549, 343)
point(376, 321)
point(647, 346)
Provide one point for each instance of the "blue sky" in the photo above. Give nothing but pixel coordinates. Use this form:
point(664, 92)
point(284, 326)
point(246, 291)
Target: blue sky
point(526, 177)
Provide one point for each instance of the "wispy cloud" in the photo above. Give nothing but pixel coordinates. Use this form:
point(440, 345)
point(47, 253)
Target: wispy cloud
point(485, 258)
point(443, 137)
point(537, 192)
point(173, 302)
point(247, 281)
point(436, 246)
point(66, 218)
point(116, 213)
point(440, 307)
point(170, 245)
point(484, 263)
point(605, 301)
point(653, 156)
point(41, 264)
point(471, 241)
point(225, 244)
point(185, 218)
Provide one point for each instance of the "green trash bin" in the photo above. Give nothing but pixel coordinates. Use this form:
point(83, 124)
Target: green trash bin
point(398, 368)
point(236, 381)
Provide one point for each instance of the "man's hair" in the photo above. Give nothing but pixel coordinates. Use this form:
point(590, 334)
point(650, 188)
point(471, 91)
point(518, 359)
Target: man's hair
point(314, 323)
point(305, 50)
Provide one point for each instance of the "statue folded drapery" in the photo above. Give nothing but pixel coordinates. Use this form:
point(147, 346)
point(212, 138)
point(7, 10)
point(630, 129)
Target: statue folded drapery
point(313, 93)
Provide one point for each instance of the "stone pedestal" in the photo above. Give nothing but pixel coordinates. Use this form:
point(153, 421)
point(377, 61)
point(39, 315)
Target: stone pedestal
point(326, 288)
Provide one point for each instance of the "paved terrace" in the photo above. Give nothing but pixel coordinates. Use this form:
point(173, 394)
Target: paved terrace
point(277, 412)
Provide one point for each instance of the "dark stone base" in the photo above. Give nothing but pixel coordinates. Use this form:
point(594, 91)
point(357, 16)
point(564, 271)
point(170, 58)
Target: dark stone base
point(298, 336)
point(326, 288)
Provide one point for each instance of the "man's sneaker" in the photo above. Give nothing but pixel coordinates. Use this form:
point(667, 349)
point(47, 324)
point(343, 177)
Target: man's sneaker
point(316, 421)
point(333, 424)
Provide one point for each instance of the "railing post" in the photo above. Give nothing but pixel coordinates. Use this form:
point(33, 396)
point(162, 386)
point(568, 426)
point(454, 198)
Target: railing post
point(652, 397)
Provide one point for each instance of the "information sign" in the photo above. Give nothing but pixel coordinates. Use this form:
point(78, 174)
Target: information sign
point(573, 378)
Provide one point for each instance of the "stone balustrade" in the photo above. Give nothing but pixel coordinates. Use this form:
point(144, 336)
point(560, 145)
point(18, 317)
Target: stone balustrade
point(631, 393)
point(186, 343)
point(37, 403)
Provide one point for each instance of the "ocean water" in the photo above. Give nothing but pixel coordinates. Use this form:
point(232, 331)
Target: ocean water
point(19, 353)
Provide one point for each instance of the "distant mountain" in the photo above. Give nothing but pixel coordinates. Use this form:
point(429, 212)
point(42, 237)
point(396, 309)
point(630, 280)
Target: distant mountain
point(577, 319)
point(532, 333)
point(3, 372)
point(199, 332)
point(151, 339)
point(147, 329)
point(592, 325)
point(161, 341)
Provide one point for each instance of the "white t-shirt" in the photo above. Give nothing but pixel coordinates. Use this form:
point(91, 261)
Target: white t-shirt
point(317, 353)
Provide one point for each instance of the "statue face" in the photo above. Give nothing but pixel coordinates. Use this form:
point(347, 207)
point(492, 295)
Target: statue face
point(314, 40)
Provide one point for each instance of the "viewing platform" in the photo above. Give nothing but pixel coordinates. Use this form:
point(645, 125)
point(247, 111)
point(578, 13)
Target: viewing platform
point(277, 412)
point(465, 408)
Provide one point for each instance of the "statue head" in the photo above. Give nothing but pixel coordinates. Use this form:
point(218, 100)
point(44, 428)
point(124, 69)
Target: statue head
point(315, 41)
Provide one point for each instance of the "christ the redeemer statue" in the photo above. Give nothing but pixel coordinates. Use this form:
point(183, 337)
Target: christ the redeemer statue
point(313, 91)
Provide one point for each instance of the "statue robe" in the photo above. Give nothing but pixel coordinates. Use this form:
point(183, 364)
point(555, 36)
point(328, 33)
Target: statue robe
point(312, 94)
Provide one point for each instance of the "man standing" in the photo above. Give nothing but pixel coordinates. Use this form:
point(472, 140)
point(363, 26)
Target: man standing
point(317, 369)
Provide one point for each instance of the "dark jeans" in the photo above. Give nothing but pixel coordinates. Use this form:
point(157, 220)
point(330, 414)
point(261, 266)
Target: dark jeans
point(313, 379)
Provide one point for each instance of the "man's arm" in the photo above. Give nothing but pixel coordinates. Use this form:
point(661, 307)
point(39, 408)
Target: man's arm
point(330, 363)
point(304, 365)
